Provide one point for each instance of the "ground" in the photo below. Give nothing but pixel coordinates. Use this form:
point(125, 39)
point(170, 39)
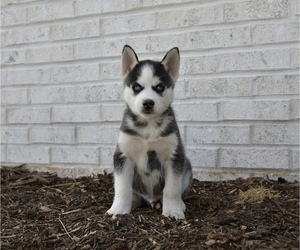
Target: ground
point(42, 211)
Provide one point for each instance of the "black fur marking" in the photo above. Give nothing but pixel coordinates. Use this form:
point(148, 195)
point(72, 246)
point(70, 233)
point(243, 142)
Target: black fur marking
point(159, 71)
point(179, 159)
point(140, 123)
point(158, 188)
point(147, 173)
point(119, 161)
point(129, 131)
point(153, 161)
point(125, 127)
point(137, 185)
point(172, 126)
point(158, 124)
point(135, 118)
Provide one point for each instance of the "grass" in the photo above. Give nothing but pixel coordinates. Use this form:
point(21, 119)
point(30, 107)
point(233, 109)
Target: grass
point(256, 195)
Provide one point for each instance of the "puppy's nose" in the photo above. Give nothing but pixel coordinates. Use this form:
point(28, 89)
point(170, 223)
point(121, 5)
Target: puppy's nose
point(148, 104)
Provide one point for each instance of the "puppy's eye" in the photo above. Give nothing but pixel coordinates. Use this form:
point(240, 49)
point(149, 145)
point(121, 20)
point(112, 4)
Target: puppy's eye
point(137, 88)
point(159, 88)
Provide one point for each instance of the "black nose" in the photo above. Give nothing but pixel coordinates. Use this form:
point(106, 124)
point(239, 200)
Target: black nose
point(148, 104)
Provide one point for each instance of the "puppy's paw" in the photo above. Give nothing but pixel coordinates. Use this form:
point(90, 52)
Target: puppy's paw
point(174, 208)
point(118, 208)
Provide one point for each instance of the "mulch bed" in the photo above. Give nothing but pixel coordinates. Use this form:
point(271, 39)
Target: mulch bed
point(42, 211)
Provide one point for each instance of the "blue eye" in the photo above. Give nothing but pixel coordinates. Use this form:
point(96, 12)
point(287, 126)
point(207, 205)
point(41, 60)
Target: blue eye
point(159, 88)
point(137, 88)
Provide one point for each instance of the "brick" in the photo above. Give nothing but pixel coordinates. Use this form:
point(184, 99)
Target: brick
point(62, 171)
point(199, 65)
point(297, 8)
point(276, 134)
point(109, 48)
point(13, 96)
point(28, 115)
point(277, 85)
point(98, 134)
point(9, 2)
point(13, 57)
point(12, 135)
point(28, 154)
point(78, 73)
point(3, 78)
point(158, 43)
point(256, 60)
point(76, 155)
point(28, 76)
point(107, 155)
point(3, 115)
point(76, 114)
point(196, 111)
point(180, 90)
point(295, 104)
point(99, 49)
point(127, 24)
point(255, 110)
point(185, 18)
point(218, 38)
point(86, 7)
point(167, 2)
point(110, 71)
point(53, 11)
point(74, 30)
point(3, 154)
point(111, 112)
point(28, 35)
point(295, 159)
point(219, 87)
point(51, 54)
point(13, 17)
point(255, 9)
point(218, 135)
point(295, 58)
point(99, 93)
point(275, 33)
point(3, 38)
point(254, 158)
point(202, 157)
point(52, 95)
point(53, 135)
point(138, 4)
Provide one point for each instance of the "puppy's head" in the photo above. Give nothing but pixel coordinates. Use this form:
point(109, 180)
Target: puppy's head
point(149, 84)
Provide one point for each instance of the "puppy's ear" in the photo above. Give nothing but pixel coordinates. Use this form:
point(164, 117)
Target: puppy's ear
point(129, 60)
point(171, 62)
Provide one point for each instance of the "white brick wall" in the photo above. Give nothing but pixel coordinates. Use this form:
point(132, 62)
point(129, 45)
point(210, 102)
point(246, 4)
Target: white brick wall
point(237, 98)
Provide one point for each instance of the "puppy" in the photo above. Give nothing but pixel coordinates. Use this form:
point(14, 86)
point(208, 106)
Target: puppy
point(150, 165)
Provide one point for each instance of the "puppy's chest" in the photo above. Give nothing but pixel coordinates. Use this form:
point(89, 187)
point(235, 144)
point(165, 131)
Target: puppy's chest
point(148, 158)
point(148, 180)
point(146, 154)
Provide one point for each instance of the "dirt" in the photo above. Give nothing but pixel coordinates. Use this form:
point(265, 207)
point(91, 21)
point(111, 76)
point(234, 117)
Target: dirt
point(42, 211)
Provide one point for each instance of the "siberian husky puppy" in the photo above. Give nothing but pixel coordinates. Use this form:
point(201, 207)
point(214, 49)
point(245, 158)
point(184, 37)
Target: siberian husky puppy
point(150, 166)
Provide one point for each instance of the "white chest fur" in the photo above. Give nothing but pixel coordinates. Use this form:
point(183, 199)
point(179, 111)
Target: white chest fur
point(137, 148)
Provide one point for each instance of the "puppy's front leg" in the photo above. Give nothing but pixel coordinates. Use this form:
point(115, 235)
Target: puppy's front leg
point(173, 205)
point(123, 188)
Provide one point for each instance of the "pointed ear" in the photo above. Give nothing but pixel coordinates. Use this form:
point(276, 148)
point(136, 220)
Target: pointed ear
point(129, 60)
point(171, 62)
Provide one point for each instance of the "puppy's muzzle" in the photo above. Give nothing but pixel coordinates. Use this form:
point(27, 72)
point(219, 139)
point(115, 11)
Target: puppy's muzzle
point(148, 106)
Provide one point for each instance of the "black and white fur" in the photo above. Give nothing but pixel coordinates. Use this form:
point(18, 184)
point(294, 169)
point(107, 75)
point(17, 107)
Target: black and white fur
point(150, 165)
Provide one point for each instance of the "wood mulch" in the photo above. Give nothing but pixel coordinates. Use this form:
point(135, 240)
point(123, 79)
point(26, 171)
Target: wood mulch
point(42, 211)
